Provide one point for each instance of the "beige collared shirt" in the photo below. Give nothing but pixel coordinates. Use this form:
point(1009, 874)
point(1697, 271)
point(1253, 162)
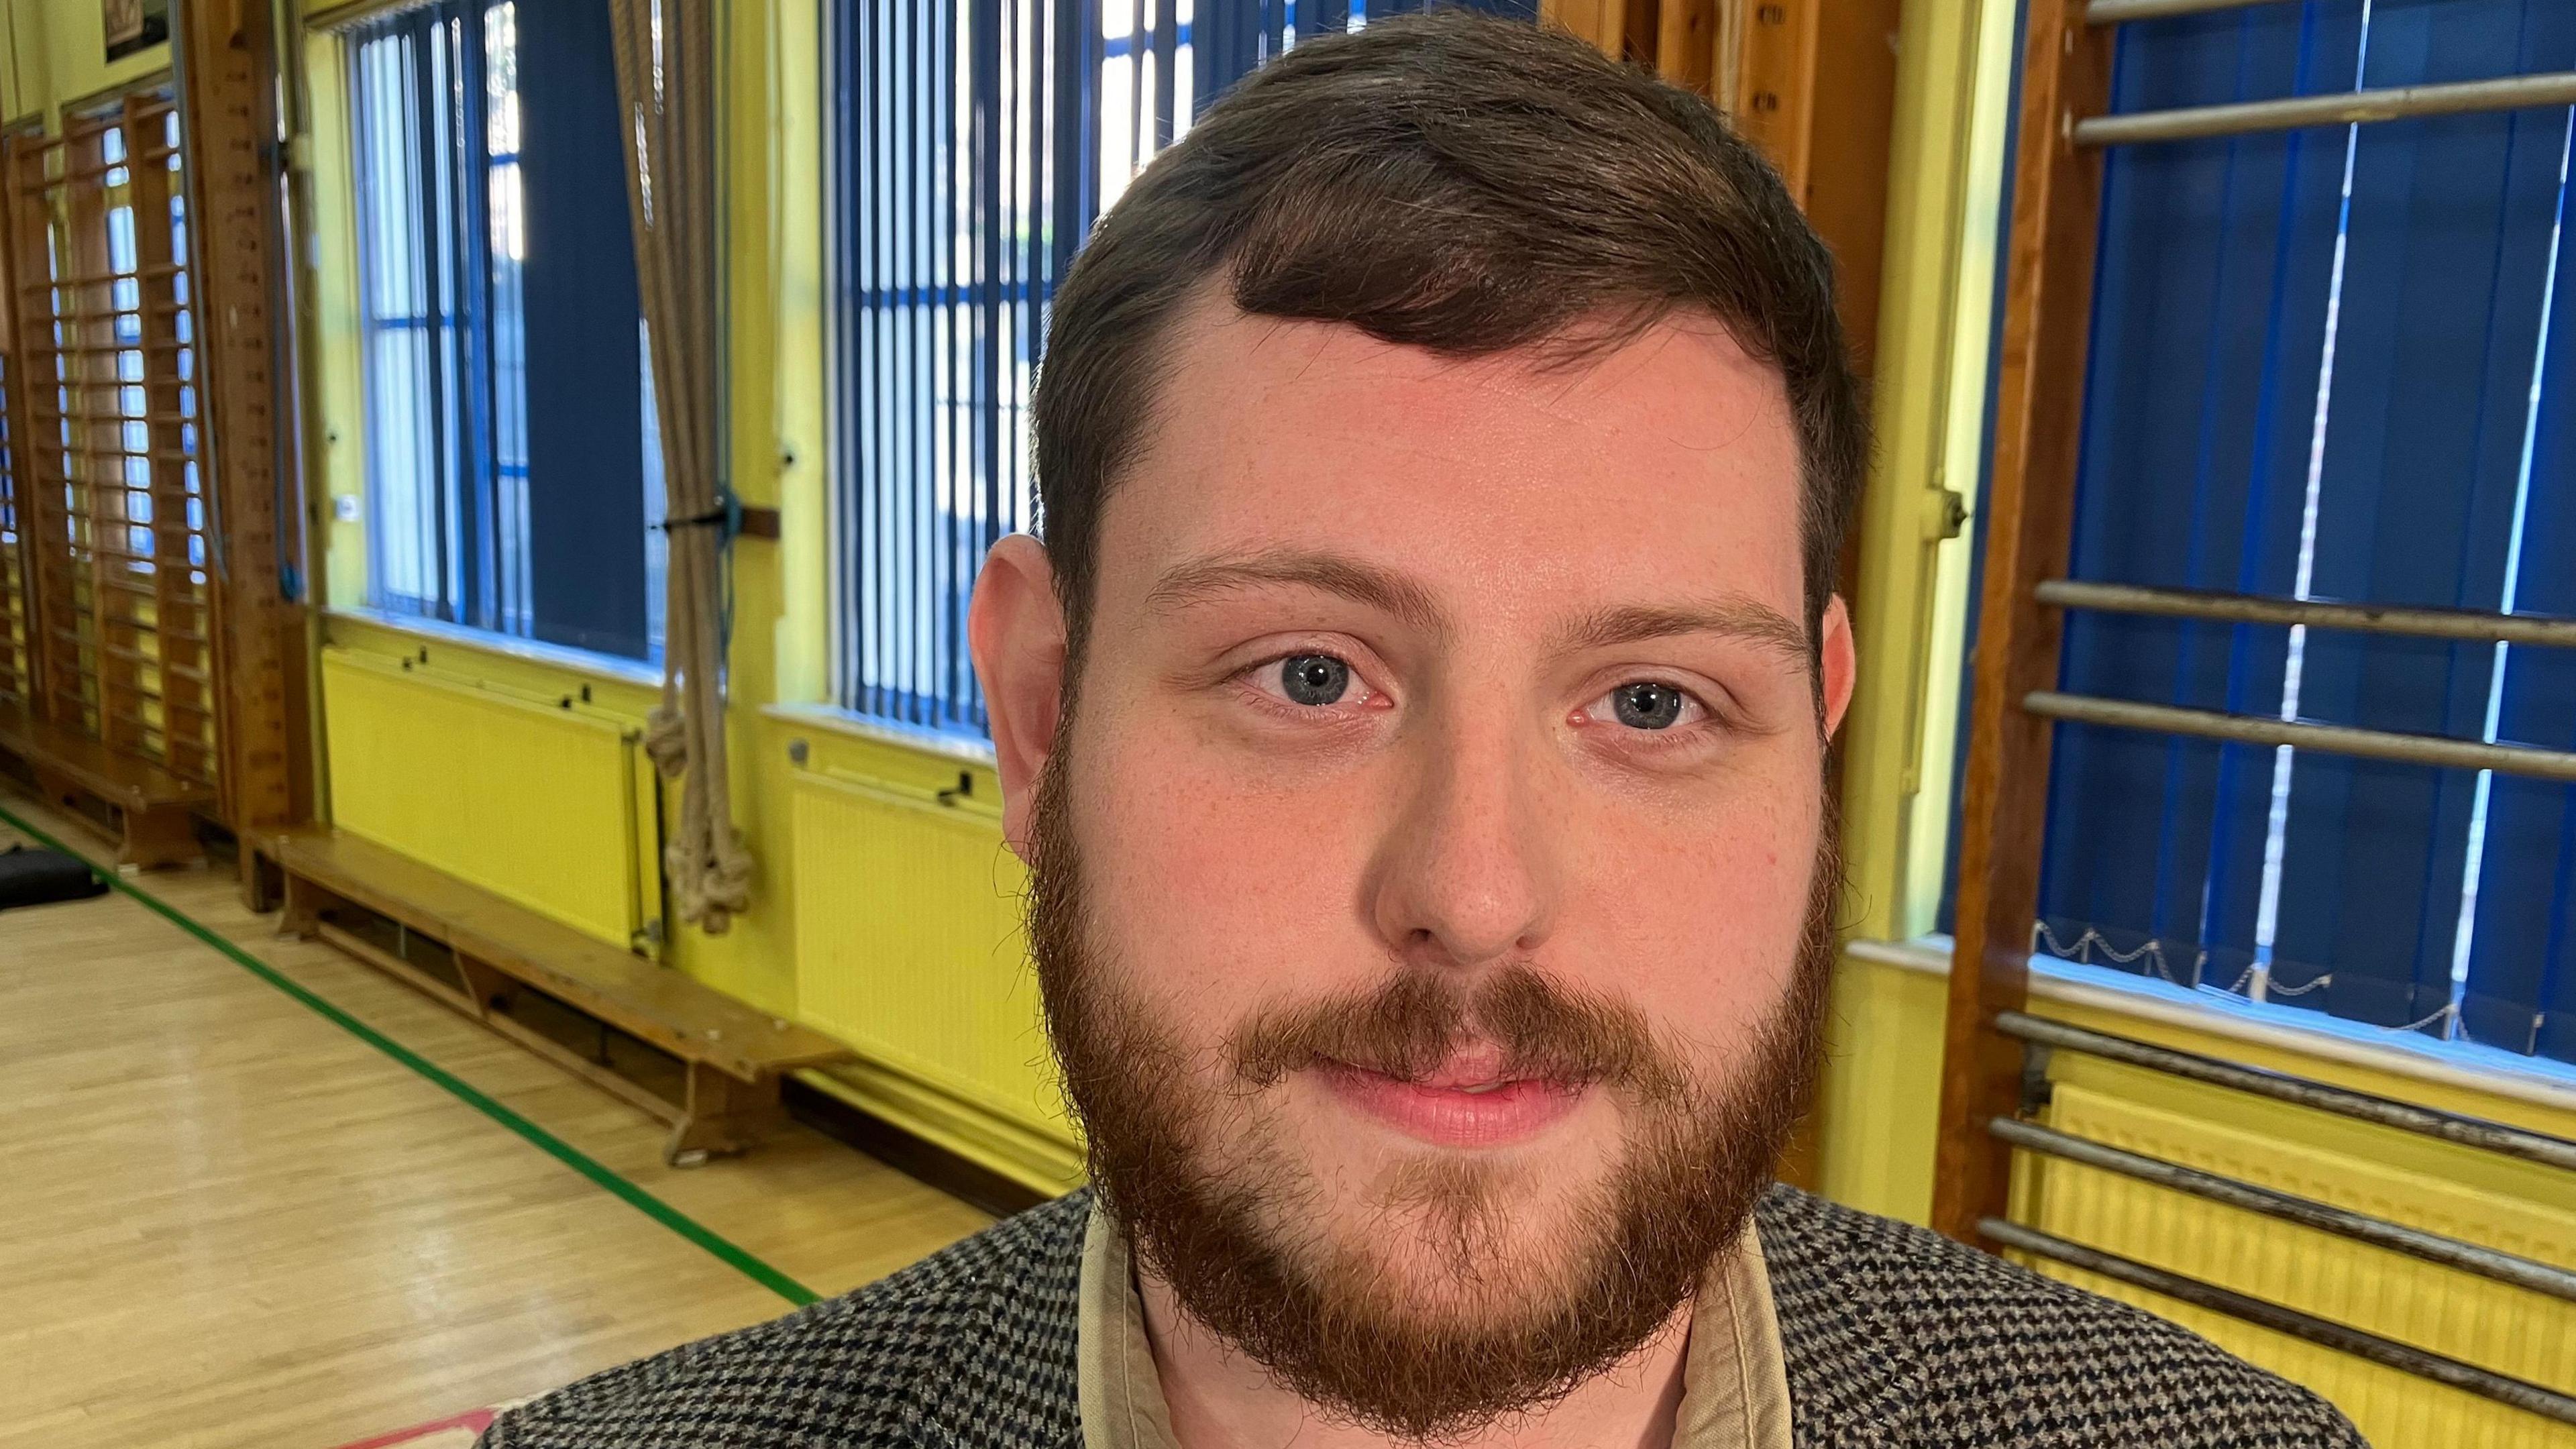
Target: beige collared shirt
point(1735, 1385)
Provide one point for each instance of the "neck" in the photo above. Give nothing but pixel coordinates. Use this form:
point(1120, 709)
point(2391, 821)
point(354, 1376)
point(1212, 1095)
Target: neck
point(1219, 1399)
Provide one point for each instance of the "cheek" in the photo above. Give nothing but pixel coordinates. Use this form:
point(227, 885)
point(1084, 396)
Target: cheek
point(1217, 894)
point(1699, 928)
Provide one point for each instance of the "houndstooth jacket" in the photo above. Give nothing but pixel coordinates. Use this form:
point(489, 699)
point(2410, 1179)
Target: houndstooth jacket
point(1894, 1337)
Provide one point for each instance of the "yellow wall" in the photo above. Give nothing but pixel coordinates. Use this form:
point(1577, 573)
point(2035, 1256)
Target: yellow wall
point(57, 56)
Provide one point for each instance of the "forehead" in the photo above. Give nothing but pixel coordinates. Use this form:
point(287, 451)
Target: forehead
point(1668, 464)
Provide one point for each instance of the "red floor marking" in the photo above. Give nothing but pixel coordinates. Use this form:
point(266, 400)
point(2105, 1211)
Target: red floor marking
point(472, 1422)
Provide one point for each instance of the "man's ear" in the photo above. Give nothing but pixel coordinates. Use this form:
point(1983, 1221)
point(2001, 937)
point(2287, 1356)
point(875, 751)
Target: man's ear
point(1840, 662)
point(1015, 631)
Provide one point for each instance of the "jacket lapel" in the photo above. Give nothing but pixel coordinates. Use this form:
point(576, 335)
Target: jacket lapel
point(1854, 1378)
point(1010, 1378)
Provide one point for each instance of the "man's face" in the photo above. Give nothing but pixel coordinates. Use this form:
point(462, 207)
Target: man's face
point(1428, 882)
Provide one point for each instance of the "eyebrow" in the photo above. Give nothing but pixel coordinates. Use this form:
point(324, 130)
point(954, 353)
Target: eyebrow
point(1377, 587)
point(1360, 582)
point(1732, 616)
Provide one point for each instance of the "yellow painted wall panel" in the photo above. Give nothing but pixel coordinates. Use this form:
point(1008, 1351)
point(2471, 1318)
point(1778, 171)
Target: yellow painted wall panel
point(531, 803)
point(1880, 1096)
point(2493, 1325)
point(909, 949)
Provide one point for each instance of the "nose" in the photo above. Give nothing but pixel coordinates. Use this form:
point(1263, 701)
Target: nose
point(1466, 875)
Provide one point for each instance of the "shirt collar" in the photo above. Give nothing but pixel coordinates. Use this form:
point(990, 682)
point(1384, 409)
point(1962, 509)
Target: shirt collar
point(1735, 1383)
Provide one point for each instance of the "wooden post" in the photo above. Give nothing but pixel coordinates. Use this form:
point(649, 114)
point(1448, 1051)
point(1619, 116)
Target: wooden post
point(2057, 189)
point(225, 52)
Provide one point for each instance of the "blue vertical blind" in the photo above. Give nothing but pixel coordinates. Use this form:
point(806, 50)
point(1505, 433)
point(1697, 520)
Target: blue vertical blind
point(973, 144)
point(2331, 363)
point(503, 494)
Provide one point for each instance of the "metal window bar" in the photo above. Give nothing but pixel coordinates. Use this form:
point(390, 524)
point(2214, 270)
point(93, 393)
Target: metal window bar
point(2486, 1383)
point(2239, 118)
point(2039, 1034)
point(964, 158)
point(2450, 1252)
point(2480, 626)
point(2253, 729)
point(438, 320)
point(2125, 12)
point(2451, 1127)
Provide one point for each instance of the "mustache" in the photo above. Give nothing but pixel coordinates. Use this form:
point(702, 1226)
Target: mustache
point(1416, 1020)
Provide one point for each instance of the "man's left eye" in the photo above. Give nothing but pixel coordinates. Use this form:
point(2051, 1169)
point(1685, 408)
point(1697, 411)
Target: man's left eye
point(1645, 704)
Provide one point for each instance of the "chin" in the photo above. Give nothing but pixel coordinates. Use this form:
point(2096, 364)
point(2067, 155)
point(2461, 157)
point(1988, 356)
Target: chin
point(1461, 1237)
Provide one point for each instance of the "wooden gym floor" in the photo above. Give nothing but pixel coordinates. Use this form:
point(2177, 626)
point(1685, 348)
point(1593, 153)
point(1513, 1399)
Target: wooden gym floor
point(227, 1220)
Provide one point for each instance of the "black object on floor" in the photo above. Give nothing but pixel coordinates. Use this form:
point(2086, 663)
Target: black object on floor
point(35, 877)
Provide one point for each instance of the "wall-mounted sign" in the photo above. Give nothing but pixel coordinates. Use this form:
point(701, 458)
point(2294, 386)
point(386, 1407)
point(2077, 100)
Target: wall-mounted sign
point(134, 25)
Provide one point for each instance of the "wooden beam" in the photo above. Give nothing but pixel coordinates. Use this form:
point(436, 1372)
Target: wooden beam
point(1775, 86)
point(1688, 39)
point(1851, 119)
point(225, 55)
point(2057, 186)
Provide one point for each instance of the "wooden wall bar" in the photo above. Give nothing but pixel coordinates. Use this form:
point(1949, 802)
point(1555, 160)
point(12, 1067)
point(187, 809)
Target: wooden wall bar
point(101, 425)
point(2029, 518)
point(227, 61)
point(19, 683)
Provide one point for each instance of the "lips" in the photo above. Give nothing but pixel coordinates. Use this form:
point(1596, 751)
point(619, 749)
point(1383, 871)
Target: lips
point(1470, 1101)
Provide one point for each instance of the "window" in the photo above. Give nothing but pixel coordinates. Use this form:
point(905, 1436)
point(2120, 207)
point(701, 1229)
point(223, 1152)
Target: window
point(2331, 364)
point(513, 472)
point(973, 145)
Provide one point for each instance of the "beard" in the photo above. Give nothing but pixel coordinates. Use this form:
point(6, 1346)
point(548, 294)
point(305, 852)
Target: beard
point(1238, 1228)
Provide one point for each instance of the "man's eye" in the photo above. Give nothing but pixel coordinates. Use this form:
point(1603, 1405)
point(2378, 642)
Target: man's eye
point(1314, 680)
point(1646, 704)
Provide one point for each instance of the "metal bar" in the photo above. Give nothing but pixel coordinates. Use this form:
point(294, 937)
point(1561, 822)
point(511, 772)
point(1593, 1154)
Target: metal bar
point(2483, 626)
point(2186, 123)
point(2387, 1112)
point(2250, 729)
point(2123, 12)
point(2486, 1383)
point(2450, 1252)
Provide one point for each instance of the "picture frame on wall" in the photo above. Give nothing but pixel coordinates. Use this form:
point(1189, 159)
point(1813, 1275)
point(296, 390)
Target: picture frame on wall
point(133, 25)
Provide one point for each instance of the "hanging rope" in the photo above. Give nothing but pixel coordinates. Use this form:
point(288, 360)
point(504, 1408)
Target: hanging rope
point(666, 70)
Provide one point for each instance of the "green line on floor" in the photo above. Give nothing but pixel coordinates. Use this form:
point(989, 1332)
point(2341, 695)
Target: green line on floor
point(562, 1151)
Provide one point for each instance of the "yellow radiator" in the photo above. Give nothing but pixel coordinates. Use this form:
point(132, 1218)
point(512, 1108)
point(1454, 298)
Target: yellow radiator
point(908, 948)
point(548, 806)
point(2477, 1197)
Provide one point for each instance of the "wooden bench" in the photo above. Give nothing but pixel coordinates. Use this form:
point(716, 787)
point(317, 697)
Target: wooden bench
point(492, 953)
point(145, 809)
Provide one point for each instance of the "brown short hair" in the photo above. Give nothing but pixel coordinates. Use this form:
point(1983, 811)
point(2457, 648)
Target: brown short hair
point(1461, 183)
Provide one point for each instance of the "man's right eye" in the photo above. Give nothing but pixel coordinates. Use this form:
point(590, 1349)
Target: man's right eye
point(1313, 680)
